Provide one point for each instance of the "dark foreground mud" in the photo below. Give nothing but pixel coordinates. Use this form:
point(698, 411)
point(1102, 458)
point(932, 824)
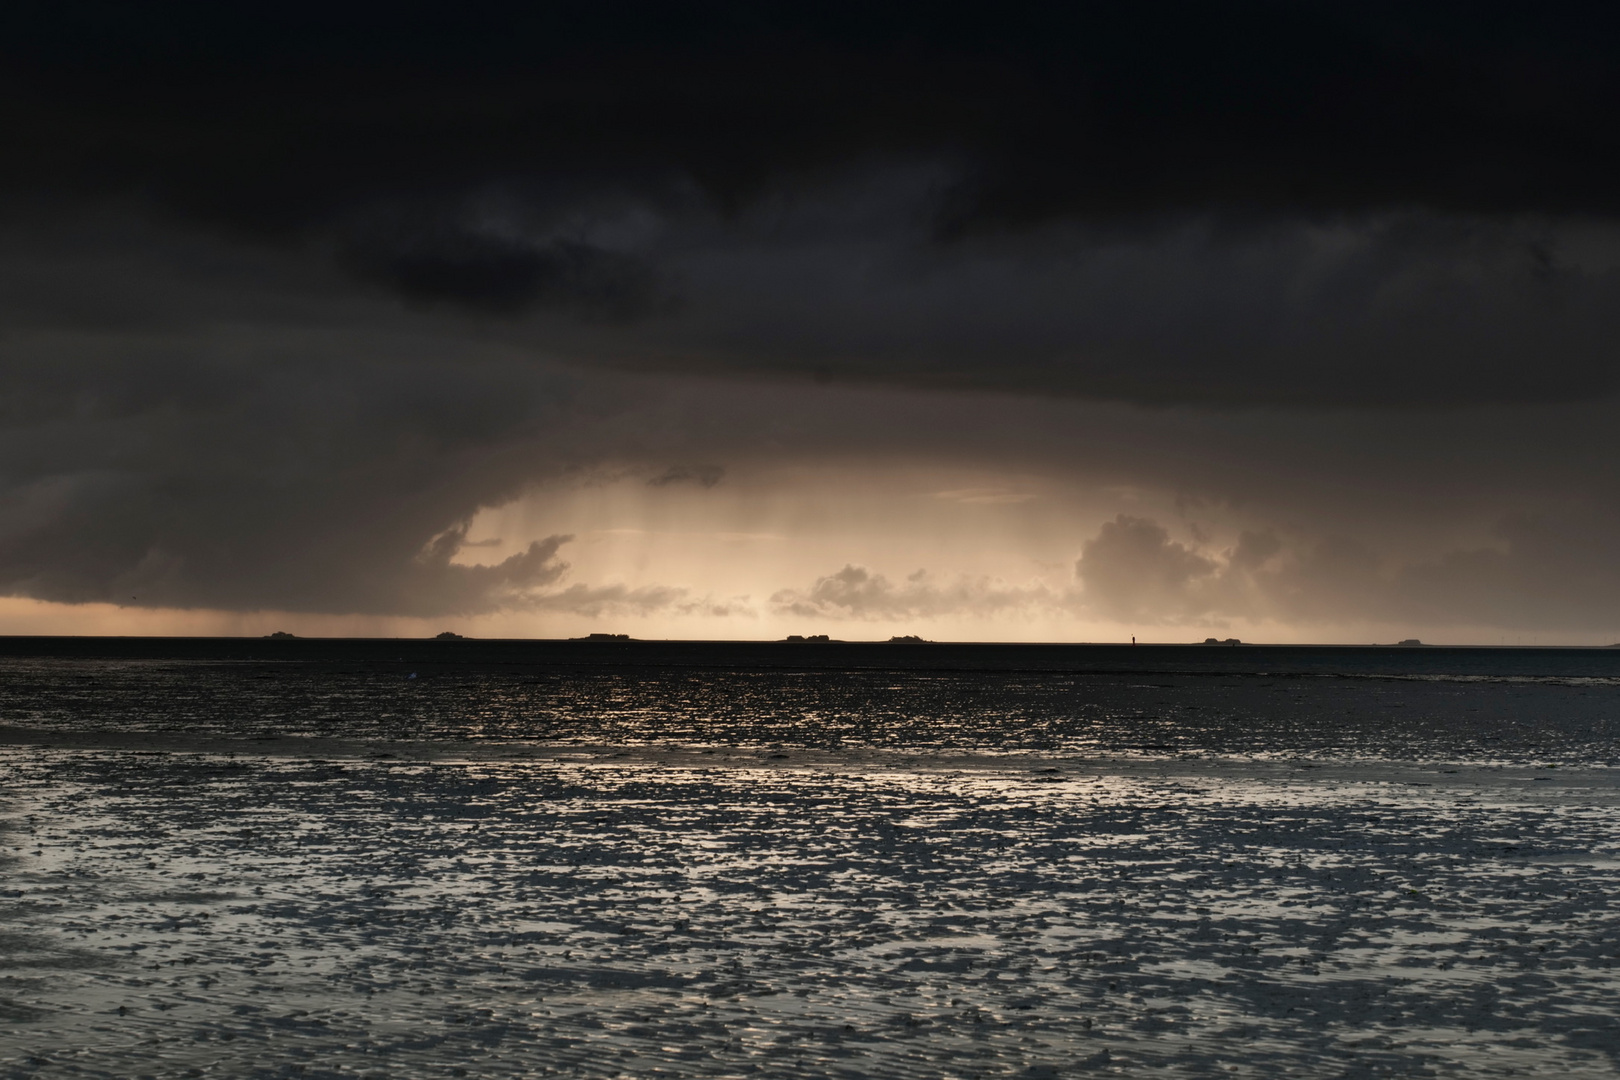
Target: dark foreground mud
point(253, 910)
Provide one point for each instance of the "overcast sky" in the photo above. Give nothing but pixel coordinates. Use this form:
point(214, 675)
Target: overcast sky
point(1291, 321)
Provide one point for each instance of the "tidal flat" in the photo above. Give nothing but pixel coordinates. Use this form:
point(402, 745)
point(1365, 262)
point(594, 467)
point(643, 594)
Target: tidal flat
point(181, 902)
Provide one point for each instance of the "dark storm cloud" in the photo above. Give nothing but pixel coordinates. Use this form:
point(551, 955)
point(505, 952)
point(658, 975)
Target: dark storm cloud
point(187, 423)
point(291, 290)
point(1404, 309)
point(274, 115)
point(1236, 202)
point(268, 499)
point(441, 259)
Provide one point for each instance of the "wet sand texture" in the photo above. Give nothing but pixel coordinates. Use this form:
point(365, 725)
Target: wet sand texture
point(191, 914)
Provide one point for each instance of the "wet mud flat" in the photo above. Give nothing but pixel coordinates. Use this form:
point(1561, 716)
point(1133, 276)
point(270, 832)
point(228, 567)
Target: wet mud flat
point(212, 908)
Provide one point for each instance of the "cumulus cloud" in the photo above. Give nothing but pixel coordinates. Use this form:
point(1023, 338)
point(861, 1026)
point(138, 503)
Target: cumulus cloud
point(1133, 569)
point(1549, 571)
point(855, 592)
point(638, 601)
point(1552, 571)
point(594, 600)
point(1133, 572)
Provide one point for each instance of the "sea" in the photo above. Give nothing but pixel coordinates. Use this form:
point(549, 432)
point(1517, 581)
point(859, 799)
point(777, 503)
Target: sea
point(454, 858)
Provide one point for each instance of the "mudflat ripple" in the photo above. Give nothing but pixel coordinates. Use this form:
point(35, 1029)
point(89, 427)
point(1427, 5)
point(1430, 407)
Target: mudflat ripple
point(250, 915)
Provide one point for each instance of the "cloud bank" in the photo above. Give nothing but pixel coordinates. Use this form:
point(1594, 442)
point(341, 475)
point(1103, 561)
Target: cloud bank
point(857, 593)
point(1545, 573)
point(1548, 572)
point(289, 293)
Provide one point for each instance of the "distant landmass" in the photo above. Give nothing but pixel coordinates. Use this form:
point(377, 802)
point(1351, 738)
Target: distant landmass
point(448, 635)
point(1219, 641)
point(602, 637)
point(908, 639)
point(801, 639)
point(280, 634)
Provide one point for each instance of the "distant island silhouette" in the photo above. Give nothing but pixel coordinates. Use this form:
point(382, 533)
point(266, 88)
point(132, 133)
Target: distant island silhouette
point(279, 634)
point(448, 635)
point(602, 637)
point(817, 639)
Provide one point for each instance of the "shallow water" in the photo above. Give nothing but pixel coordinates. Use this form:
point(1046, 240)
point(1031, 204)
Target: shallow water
point(696, 893)
point(1482, 705)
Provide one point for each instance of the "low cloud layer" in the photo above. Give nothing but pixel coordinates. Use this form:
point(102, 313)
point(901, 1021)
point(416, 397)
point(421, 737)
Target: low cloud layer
point(855, 592)
point(639, 601)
